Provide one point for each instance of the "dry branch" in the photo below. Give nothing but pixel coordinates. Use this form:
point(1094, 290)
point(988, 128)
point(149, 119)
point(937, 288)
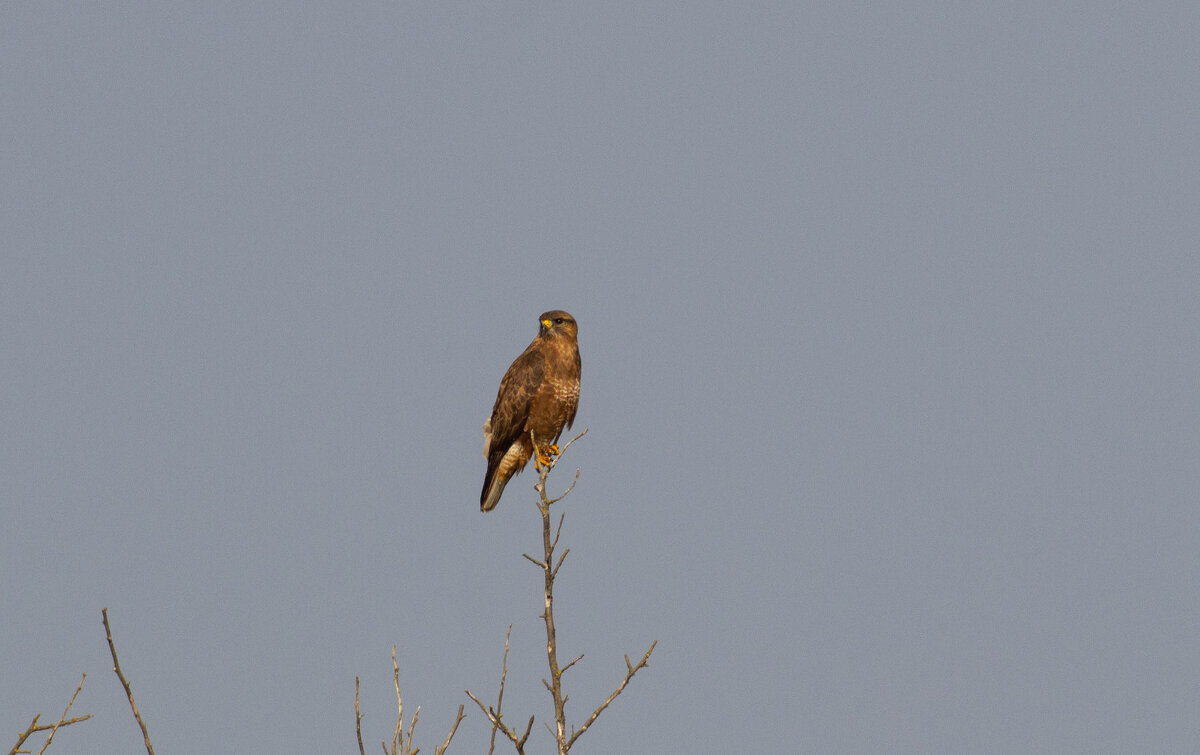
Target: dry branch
point(35, 728)
point(500, 696)
point(398, 744)
point(498, 723)
point(402, 741)
point(358, 719)
point(125, 683)
point(496, 716)
point(446, 744)
point(550, 567)
point(630, 671)
point(63, 717)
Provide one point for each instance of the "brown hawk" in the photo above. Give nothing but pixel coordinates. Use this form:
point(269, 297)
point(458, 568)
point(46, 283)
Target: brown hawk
point(538, 395)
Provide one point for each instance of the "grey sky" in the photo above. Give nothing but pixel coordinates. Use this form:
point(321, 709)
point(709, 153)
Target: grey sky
point(889, 324)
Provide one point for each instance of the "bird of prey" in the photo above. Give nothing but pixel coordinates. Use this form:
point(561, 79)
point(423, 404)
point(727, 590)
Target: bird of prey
point(538, 396)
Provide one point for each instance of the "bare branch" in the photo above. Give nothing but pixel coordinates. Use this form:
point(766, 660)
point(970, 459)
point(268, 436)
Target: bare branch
point(544, 469)
point(63, 717)
point(549, 573)
point(412, 725)
point(32, 729)
point(572, 663)
point(558, 565)
point(36, 728)
point(558, 531)
point(563, 450)
point(503, 678)
point(398, 732)
point(550, 567)
point(358, 719)
point(446, 745)
point(644, 662)
point(486, 711)
point(125, 683)
point(495, 715)
point(518, 742)
point(400, 744)
point(534, 561)
point(566, 492)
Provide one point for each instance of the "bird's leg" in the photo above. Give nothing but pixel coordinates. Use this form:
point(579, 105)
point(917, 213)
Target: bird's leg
point(543, 456)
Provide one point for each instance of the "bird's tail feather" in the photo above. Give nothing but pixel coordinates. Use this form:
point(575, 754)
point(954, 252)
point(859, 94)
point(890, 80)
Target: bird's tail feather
point(501, 469)
point(492, 489)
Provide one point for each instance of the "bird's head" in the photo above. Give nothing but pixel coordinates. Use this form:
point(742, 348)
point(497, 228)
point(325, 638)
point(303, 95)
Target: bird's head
point(557, 323)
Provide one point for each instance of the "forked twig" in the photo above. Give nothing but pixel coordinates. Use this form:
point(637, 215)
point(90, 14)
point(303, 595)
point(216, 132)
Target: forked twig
point(402, 742)
point(63, 717)
point(544, 469)
point(630, 671)
point(125, 683)
point(495, 715)
point(500, 696)
point(398, 744)
point(518, 741)
point(36, 728)
point(398, 732)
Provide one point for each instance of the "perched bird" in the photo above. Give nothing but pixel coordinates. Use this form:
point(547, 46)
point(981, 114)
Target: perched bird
point(538, 395)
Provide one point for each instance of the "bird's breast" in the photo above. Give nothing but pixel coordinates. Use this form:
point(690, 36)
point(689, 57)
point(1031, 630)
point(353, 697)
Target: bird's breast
point(565, 391)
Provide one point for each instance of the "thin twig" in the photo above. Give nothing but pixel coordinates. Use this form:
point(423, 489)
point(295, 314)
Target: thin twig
point(402, 742)
point(563, 450)
point(36, 728)
point(446, 745)
point(518, 742)
point(558, 532)
point(644, 662)
point(544, 469)
point(125, 683)
point(63, 717)
point(358, 719)
point(572, 663)
point(412, 725)
point(562, 556)
point(503, 678)
point(398, 745)
point(32, 729)
point(398, 732)
point(534, 560)
point(566, 492)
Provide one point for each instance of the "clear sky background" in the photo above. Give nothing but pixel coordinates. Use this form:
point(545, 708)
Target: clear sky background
point(888, 315)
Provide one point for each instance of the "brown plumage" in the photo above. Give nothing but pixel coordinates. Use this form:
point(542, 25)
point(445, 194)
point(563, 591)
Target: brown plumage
point(539, 393)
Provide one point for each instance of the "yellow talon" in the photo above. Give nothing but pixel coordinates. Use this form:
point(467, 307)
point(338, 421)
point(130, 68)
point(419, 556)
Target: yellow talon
point(543, 457)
